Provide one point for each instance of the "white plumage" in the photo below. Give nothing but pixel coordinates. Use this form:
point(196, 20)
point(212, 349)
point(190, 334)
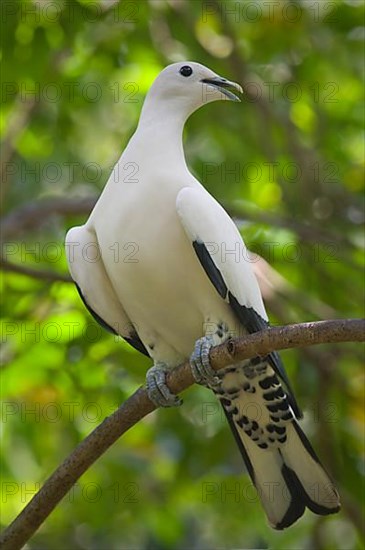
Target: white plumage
point(154, 263)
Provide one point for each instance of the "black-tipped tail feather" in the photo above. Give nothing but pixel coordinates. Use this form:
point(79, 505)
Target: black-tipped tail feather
point(288, 479)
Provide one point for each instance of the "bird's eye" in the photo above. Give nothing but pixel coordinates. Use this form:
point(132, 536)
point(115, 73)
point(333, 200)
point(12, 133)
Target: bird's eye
point(186, 70)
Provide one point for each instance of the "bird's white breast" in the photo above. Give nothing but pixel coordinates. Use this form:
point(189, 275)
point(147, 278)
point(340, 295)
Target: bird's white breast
point(151, 262)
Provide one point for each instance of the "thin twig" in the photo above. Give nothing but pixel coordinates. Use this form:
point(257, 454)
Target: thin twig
point(21, 113)
point(139, 405)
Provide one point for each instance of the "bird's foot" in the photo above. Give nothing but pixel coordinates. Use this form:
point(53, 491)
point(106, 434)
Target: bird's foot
point(200, 363)
point(156, 387)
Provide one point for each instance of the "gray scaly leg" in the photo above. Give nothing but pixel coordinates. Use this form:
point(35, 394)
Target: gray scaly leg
point(200, 363)
point(156, 387)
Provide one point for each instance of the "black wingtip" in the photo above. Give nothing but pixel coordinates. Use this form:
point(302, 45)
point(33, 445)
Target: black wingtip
point(133, 339)
point(210, 268)
point(253, 322)
point(96, 316)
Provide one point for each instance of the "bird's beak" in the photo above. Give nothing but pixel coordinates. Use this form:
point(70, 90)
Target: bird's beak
point(229, 89)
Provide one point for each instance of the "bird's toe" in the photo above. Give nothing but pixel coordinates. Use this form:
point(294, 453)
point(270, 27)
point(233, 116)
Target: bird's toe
point(200, 363)
point(157, 390)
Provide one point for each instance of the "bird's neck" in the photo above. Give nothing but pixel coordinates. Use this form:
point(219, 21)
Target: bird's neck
point(160, 129)
point(159, 110)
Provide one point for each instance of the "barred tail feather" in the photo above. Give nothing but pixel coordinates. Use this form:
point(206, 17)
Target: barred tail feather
point(288, 478)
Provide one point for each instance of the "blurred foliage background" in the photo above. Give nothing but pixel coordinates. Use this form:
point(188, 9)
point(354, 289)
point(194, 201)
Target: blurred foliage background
point(287, 163)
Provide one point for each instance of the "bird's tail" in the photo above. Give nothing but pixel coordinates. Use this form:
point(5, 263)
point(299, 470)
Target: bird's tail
point(288, 476)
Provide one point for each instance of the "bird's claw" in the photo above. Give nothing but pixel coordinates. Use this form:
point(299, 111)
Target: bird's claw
point(156, 387)
point(200, 363)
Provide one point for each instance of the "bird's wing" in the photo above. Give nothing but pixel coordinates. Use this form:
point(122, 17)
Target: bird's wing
point(86, 266)
point(225, 259)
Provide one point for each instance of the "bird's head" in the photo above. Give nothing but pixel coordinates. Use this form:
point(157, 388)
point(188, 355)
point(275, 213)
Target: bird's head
point(188, 85)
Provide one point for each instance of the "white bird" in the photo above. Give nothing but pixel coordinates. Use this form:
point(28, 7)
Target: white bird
point(154, 264)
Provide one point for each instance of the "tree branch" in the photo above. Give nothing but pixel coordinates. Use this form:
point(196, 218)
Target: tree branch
point(42, 275)
point(308, 232)
point(139, 405)
point(33, 214)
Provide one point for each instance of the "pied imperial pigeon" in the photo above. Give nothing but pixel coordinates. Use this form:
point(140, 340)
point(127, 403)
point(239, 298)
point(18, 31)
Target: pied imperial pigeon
point(163, 280)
